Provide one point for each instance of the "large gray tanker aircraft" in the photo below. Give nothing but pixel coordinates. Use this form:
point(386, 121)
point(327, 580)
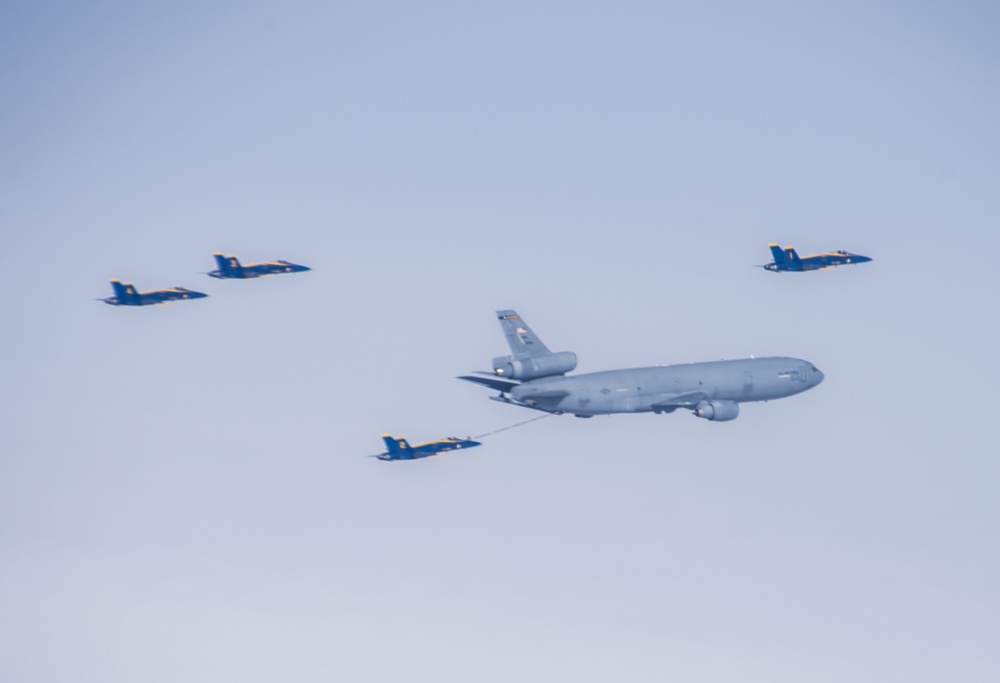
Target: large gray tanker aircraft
point(534, 377)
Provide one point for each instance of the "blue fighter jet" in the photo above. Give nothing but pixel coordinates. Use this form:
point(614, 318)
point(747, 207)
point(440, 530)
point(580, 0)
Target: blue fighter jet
point(230, 268)
point(787, 260)
point(399, 449)
point(126, 295)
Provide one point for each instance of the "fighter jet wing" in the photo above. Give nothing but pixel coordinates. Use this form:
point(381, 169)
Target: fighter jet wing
point(688, 399)
point(492, 382)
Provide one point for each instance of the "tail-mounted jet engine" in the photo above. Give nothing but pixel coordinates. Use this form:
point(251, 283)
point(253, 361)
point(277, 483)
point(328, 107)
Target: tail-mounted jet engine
point(718, 411)
point(524, 367)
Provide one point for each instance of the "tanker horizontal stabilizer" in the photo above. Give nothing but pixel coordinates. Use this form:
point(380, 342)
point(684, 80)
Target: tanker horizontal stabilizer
point(492, 382)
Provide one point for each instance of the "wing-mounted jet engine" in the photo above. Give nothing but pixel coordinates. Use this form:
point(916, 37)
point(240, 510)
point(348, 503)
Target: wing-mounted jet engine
point(717, 411)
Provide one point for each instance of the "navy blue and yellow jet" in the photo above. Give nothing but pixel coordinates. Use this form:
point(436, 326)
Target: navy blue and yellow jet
point(787, 260)
point(126, 295)
point(399, 449)
point(230, 268)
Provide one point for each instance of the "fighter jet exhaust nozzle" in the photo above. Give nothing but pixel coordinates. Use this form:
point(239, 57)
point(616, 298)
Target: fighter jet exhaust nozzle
point(717, 411)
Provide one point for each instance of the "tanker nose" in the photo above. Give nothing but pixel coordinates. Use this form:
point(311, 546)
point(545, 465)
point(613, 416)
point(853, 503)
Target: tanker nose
point(817, 376)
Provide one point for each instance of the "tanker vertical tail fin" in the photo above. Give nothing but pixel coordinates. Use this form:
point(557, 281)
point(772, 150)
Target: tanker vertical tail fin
point(519, 336)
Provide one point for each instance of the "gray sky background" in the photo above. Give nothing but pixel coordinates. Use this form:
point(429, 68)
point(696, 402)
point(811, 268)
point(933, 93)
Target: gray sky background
point(182, 492)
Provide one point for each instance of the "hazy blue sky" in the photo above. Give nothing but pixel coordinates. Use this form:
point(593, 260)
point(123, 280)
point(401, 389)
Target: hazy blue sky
point(182, 489)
